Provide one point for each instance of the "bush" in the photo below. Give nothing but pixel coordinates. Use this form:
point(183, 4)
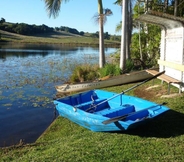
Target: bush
point(84, 72)
point(88, 72)
point(110, 69)
point(129, 65)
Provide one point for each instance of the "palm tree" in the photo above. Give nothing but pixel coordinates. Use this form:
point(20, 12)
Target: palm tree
point(53, 8)
point(126, 26)
point(101, 18)
point(123, 36)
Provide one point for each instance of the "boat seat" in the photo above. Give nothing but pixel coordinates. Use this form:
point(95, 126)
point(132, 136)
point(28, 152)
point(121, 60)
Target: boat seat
point(103, 112)
point(113, 112)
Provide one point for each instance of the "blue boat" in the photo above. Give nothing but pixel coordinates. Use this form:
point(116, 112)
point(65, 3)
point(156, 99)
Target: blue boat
point(103, 111)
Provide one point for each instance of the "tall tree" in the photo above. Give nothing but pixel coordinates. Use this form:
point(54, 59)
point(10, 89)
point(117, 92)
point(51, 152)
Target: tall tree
point(2, 20)
point(126, 32)
point(101, 18)
point(53, 8)
point(147, 37)
point(176, 8)
point(101, 31)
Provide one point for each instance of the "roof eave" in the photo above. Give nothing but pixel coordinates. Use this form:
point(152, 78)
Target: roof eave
point(161, 19)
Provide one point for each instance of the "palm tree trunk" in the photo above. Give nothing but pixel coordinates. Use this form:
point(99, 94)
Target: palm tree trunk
point(129, 28)
point(123, 36)
point(101, 44)
point(101, 35)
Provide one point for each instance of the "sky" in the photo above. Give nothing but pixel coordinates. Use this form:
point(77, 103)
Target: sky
point(76, 14)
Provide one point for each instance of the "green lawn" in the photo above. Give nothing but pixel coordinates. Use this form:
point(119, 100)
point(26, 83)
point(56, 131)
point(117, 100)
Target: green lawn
point(159, 140)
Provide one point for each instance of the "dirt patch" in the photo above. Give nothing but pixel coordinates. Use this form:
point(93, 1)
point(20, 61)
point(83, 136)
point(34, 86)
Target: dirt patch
point(150, 93)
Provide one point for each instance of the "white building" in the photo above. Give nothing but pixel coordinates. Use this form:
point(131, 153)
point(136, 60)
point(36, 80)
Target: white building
point(172, 43)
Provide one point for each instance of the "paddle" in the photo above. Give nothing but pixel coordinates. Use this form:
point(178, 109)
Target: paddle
point(155, 76)
point(115, 119)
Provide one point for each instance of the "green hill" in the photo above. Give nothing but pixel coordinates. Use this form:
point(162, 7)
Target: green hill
point(54, 37)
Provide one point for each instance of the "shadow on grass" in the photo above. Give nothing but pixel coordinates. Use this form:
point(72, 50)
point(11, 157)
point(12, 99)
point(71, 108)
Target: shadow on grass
point(10, 36)
point(170, 124)
point(54, 34)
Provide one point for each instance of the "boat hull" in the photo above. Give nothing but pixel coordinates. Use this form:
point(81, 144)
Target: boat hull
point(91, 108)
point(117, 80)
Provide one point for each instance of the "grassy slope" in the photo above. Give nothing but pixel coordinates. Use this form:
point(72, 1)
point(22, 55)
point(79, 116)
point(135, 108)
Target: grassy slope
point(159, 140)
point(54, 37)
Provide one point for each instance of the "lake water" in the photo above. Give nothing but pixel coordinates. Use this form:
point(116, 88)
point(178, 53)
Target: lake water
point(28, 74)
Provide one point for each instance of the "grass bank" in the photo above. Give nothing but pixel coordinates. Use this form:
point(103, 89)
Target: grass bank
point(56, 38)
point(159, 140)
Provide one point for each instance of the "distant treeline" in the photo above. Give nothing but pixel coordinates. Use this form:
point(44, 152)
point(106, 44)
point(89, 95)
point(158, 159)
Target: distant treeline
point(26, 29)
point(69, 30)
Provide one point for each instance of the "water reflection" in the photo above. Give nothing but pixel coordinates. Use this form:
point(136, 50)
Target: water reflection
point(22, 50)
point(28, 74)
point(21, 53)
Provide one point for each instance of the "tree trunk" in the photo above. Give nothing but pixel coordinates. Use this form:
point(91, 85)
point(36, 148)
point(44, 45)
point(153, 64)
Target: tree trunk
point(140, 47)
point(165, 6)
point(129, 28)
point(101, 35)
point(123, 36)
point(176, 8)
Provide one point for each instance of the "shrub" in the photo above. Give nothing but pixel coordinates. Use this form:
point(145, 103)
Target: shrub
point(129, 65)
point(84, 72)
point(87, 72)
point(110, 69)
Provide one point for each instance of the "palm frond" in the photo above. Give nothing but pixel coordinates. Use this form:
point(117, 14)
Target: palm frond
point(97, 16)
point(118, 2)
point(118, 27)
point(53, 7)
point(107, 12)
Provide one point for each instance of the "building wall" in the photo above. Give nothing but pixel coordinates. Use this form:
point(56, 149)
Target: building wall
point(172, 52)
